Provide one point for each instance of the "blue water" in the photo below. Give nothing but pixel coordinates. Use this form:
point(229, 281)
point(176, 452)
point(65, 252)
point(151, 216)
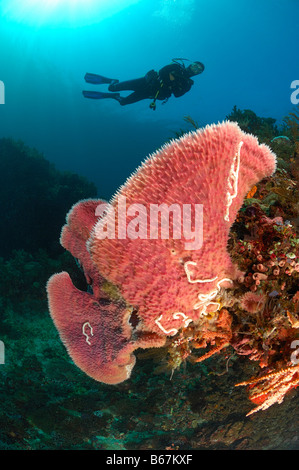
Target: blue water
point(249, 48)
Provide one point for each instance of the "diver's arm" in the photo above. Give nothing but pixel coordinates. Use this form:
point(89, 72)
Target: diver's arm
point(180, 90)
point(175, 79)
point(168, 73)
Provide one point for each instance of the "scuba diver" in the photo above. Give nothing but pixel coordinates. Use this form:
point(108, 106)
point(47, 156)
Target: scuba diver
point(174, 78)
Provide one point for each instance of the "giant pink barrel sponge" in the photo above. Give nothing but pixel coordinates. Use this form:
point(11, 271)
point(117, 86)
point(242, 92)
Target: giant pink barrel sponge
point(167, 275)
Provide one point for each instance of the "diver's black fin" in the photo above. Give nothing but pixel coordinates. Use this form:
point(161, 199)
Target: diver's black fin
point(96, 79)
point(98, 95)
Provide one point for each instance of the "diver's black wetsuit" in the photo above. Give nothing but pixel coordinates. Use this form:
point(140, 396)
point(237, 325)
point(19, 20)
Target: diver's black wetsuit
point(171, 79)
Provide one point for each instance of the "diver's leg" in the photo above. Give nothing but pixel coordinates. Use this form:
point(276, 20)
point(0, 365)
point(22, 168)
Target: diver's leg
point(138, 84)
point(98, 79)
point(132, 98)
point(98, 95)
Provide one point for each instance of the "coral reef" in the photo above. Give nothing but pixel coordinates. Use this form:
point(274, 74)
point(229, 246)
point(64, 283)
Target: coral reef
point(34, 195)
point(264, 243)
point(48, 403)
point(265, 315)
point(164, 289)
point(264, 128)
